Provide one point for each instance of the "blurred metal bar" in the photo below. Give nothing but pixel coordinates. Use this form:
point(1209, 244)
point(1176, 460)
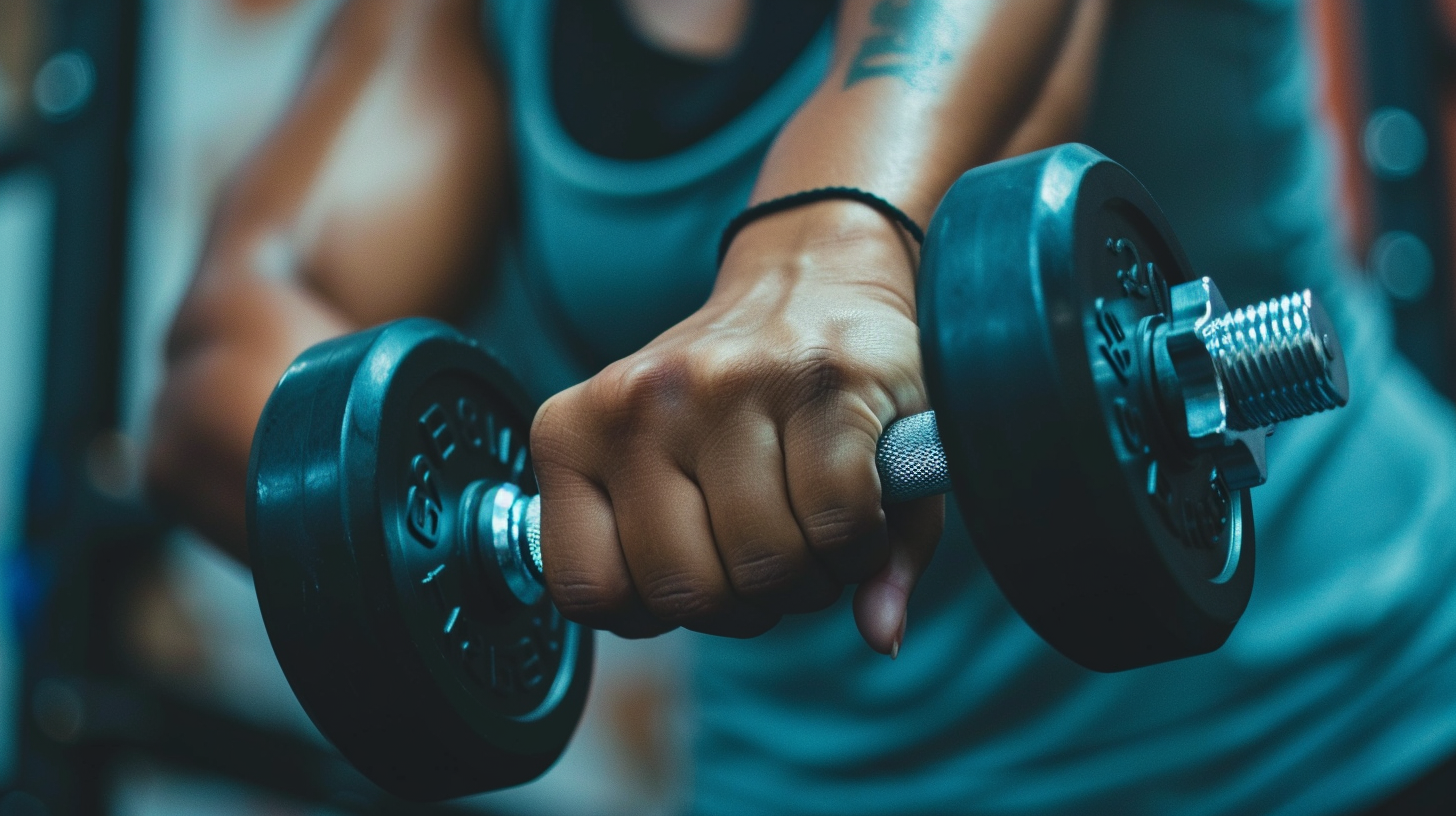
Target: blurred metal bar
point(87, 156)
point(84, 93)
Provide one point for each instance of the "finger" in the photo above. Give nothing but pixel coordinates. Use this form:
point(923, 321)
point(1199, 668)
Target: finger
point(767, 561)
point(672, 557)
point(581, 551)
point(834, 489)
point(586, 574)
point(882, 601)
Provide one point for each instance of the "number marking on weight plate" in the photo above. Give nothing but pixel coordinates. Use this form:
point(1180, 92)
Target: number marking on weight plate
point(469, 417)
point(423, 502)
point(1139, 280)
point(436, 425)
point(1114, 345)
point(432, 584)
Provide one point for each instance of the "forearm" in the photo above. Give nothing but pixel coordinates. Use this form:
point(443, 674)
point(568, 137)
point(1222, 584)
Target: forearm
point(367, 203)
point(233, 340)
point(1060, 111)
point(919, 92)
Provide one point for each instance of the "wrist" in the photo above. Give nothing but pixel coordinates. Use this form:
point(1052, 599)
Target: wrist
point(804, 198)
point(835, 240)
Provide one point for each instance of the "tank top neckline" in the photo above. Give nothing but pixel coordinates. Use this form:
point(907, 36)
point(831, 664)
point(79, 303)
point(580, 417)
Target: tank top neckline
point(684, 168)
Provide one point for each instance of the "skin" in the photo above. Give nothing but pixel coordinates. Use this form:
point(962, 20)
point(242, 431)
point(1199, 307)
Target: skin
point(723, 476)
point(309, 237)
point(704, 30)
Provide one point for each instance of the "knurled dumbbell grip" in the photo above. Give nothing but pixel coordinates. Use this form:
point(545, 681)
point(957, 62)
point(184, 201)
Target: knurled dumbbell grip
point(909, 457)
point(911, 460)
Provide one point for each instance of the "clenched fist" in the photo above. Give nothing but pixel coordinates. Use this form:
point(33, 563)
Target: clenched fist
point(724, 475)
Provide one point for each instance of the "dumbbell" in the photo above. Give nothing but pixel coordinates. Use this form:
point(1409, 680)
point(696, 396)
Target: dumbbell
point(1099, 411)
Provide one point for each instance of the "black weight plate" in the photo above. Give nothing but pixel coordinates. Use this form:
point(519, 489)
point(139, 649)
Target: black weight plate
point(373, 607)
point(1117, 548)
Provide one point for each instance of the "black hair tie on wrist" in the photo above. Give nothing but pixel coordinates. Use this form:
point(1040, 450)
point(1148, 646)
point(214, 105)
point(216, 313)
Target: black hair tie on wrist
point(788, 202)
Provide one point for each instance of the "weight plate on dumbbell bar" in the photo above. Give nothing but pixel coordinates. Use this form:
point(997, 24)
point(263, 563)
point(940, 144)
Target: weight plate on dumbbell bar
point(363, 466)
point(1117, 544)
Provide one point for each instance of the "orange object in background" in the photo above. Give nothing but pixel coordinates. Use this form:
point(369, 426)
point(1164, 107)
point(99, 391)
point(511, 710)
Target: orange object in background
point(20, 35)
point(1335, 30)
point(1446, 110)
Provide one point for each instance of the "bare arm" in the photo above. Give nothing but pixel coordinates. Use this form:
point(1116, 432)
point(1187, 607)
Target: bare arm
point(367, 203)
point(919, 92)
point(1060, 110)
point(724, 475)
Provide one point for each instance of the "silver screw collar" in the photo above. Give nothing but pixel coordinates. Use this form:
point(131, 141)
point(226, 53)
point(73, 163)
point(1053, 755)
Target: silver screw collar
point(1230, 376)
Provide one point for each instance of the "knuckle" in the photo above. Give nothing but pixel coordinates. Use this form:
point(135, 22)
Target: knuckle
point(642, 382)
point(818, 371)
point(589, 599)
point(842, 532)
point(683, 600)
point(765, 571)
point(833, 529)
point(717, 367)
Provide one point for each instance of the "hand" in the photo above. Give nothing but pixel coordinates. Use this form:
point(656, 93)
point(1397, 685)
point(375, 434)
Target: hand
point(724, 475)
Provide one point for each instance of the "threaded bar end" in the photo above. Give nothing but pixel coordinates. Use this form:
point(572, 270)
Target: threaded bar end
point(1277, 360)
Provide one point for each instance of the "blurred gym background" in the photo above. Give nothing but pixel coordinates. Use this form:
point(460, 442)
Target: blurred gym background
point(135, 676)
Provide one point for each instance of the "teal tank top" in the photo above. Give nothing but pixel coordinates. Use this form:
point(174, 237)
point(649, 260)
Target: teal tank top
point(1338, 687)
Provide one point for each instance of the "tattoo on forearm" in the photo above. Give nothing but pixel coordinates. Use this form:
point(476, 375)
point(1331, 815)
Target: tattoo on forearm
point(908, 40)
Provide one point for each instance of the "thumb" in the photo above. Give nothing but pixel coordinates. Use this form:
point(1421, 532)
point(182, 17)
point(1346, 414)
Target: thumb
point(880, 601)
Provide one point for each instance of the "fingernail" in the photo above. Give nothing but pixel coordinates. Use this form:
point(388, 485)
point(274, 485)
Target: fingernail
point(899, 636)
